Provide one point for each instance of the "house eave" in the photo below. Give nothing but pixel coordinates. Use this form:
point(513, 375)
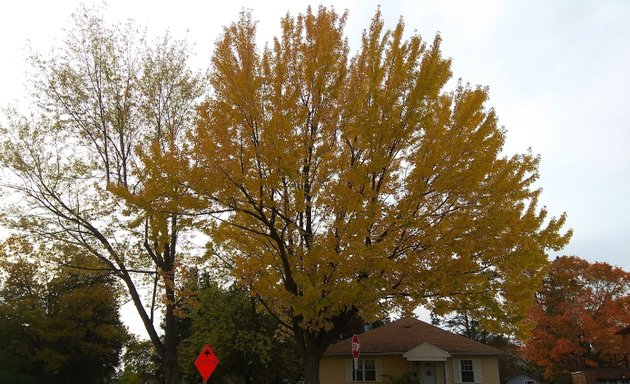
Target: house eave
point(349, 355)
point(453, 354)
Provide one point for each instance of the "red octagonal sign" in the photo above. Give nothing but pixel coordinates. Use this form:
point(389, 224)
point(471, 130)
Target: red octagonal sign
point(356, 350)
point(206, 362)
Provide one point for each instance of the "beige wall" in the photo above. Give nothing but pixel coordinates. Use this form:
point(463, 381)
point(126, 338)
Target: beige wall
point(332, 369)
point(394, 366)
point(489, 369)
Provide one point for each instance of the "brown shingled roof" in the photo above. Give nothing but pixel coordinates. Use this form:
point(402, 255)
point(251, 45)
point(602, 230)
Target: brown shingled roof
point(407, 333)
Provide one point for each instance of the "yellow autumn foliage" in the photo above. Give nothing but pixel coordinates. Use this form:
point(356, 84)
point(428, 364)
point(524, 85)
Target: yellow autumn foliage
point(357, 183)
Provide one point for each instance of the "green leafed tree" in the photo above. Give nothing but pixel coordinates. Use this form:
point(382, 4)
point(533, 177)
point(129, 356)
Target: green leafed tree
point(140, 363)
point(355, 183)
point(82, 167)
point(59, 324)
point(249, 344)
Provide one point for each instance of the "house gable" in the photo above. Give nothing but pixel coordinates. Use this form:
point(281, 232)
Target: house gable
point(426, 352)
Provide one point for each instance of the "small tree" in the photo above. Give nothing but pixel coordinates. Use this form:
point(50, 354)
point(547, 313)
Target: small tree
point(140, 362)
point(251, 347)
point(357, 185)
point(62, 323)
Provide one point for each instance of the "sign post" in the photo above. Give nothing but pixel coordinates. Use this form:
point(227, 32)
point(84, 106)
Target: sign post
point(206, 362)
point(356, 351)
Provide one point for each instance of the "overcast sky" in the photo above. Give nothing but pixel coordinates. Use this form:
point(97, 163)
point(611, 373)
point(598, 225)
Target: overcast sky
point(558, 73)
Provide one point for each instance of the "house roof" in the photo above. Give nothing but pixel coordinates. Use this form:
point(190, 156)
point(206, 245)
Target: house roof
point(407, 333)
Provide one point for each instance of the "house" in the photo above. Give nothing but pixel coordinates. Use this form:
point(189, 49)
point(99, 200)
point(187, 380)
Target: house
point(522, 378)
point(409, 346)
point(615, 370)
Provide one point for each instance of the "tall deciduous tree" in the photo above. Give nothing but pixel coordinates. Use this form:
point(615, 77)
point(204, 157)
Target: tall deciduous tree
point(357, 185)
point(577, 313)
point(92, 164)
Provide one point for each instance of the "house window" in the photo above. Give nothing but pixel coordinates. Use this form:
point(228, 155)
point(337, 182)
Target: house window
point(366, 370)
point(467, 371)
point(528, 381)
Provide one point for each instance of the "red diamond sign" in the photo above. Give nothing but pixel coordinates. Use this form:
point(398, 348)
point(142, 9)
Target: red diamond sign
point(206, 362)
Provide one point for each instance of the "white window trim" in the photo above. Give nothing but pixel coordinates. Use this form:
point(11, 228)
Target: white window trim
point(378, 365)
point(477, 371)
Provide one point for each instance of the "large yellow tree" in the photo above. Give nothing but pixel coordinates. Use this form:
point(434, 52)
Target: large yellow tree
point(356, 184)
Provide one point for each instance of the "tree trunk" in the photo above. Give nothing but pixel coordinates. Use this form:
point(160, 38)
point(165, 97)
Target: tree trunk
point(311, 367)
point(169, 360)
point(311, 347)
point(312, 344)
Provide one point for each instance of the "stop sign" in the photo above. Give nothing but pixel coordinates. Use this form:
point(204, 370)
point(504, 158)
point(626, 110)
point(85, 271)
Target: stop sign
point(356, 350)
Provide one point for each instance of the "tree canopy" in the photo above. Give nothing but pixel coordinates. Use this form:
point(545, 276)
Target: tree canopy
point(58, 324)
point(357, 184)
point(330, 184)
point(577, 313)
point(248, 342)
